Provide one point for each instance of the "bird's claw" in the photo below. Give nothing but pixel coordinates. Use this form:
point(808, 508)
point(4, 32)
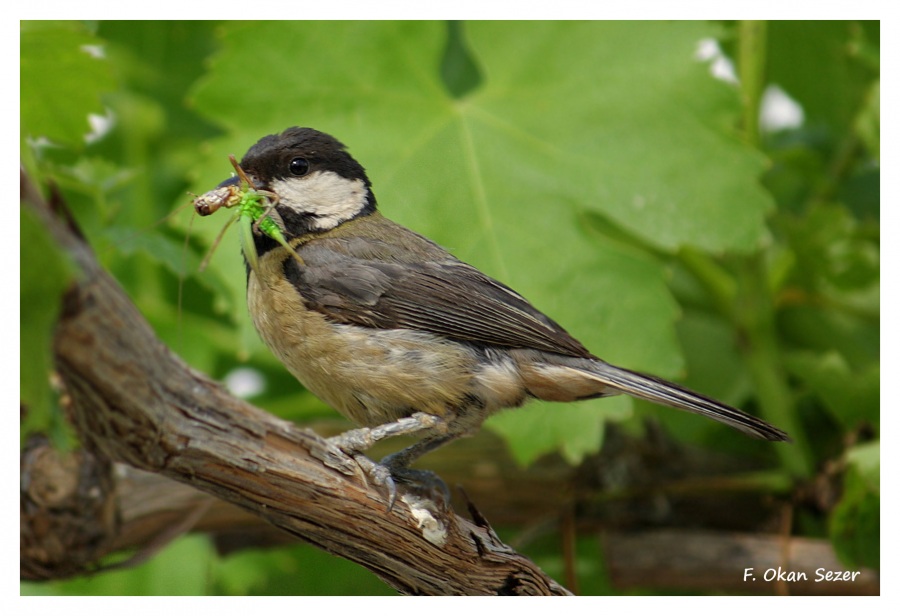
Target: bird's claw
point(424, 484)
point(379, 475)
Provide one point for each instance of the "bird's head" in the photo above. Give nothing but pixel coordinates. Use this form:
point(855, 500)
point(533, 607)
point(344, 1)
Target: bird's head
point(318, 184)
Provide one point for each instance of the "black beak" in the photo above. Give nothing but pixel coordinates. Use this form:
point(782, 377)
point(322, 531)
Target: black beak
point(236, 180)
point(232, 181)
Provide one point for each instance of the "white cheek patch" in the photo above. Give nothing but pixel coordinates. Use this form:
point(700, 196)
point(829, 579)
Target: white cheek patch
point(328, 197)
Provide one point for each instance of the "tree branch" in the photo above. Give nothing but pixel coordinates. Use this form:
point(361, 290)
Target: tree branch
point(151, 508)
point(134, 401)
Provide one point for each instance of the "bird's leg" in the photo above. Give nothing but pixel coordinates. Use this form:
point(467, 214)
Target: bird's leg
point(395, 467)
point(361, 439)
point(400, 461)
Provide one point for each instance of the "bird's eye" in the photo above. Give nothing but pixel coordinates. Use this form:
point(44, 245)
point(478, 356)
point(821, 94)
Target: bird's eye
point(299, 166)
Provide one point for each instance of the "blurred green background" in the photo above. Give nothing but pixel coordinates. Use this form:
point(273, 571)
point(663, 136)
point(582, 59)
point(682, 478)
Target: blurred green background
point(698, 200)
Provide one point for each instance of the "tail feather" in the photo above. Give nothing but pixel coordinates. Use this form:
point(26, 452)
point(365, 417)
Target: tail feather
point(663, 392)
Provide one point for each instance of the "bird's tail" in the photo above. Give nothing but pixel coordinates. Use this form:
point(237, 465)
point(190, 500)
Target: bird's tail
point(663, 392)
point(593, 378)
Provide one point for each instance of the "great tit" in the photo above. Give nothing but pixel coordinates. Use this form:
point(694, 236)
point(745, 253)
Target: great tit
point(396, 333)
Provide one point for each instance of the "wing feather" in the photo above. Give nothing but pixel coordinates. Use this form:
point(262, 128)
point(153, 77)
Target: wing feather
point(449, 298)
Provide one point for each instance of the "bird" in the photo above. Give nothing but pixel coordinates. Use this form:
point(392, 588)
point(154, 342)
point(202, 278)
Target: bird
point(396, 333)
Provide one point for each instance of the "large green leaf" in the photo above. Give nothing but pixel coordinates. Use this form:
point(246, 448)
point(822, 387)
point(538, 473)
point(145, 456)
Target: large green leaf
point(566, 118)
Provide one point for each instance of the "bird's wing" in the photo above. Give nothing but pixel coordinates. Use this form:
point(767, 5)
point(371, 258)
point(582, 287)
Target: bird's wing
point(449, 298)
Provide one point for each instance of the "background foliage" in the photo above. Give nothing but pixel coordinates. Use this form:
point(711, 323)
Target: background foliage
point(598, 168)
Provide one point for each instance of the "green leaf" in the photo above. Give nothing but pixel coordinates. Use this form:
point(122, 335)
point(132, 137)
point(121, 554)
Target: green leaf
point(564, 119)
point(866, 460)
point(182, 569)
point(620, 117)
point(816, 65)
point(833, 317)
point(294, 570)
point(836, 253)
point(39, 304)
point(715, 367)
point(868, 122)
point(576, 430)
point(62, 77)
point(851, 396)
point(855, 524)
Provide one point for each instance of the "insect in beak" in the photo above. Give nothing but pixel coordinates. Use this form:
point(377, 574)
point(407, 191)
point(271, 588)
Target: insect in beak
point(255, 211)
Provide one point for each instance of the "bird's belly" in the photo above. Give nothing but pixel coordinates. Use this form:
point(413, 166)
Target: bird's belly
point(377, 376)
point(374, 376)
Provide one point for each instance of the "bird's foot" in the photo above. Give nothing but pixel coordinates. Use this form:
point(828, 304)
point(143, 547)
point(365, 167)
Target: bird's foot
point(379, 475)
point(420, 484)
point(394, 469)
